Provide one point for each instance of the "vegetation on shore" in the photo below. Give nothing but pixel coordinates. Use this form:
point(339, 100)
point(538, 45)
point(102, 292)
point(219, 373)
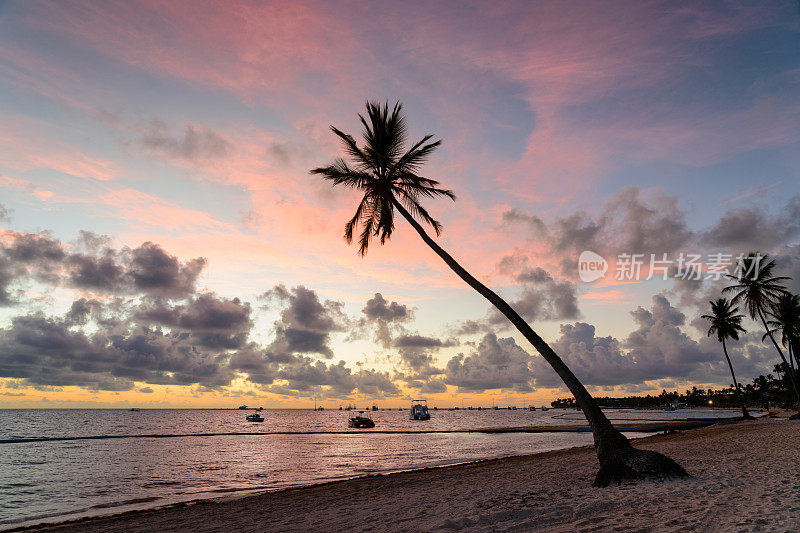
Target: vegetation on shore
point(764, 391)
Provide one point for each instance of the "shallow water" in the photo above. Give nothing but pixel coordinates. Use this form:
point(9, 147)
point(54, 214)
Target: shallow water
point(59, 480)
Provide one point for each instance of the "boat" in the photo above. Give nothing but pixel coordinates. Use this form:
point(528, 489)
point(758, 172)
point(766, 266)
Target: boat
point(543, 408)
point(255, 417)
point(134, 409)
point(531, 408)
point(419, 410)
point(374, 407)
point(360, 421)
point(242, 407)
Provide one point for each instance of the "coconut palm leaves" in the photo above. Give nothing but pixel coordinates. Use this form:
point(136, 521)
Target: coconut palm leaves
point(785, 320)
point(726, 322)
point(758, 289)
point(385, 172)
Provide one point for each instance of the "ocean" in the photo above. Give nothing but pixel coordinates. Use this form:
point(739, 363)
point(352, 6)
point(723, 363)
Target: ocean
point(161, 459)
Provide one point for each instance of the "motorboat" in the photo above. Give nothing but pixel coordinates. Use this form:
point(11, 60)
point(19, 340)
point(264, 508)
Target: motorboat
point(242, 407)
point(419, 410)
point(134, 409)
point(543, 408)
point(360, 421)
point(531, 408)
point(255, 417)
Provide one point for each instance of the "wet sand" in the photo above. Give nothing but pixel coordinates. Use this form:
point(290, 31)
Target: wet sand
point(745, 477)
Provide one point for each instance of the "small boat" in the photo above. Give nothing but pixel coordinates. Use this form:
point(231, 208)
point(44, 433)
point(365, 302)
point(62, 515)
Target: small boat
point(242, 407)
point(419, 410)
point(374, 407)
point(543, 408)
point(531, 408)
point(135, 409)
point(360, 421)
point(255, 417)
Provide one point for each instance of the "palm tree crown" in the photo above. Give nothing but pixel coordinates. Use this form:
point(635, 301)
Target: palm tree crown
point(725, 320)
point(757, 288)
point(785, 315)
point(385, 172)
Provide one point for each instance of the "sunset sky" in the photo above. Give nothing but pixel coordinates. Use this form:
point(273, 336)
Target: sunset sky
point(164, 245)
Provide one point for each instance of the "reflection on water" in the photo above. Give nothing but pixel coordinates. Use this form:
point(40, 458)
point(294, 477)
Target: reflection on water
point(64, 479)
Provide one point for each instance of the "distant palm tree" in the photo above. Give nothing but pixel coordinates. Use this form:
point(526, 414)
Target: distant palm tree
point(387, 173)
point(726, 322)
point(759, 290)
point(785, 315)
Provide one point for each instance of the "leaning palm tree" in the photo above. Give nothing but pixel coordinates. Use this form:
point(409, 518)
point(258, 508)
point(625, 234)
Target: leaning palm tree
point(726, 322)
point(785, 319)
point(387, 171)
point(758, 289)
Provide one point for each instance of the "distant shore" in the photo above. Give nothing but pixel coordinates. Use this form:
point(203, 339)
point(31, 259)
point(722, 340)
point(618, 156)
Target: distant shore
point(744, 477)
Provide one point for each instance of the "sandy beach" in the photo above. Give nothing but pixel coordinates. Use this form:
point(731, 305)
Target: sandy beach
point(745, 478)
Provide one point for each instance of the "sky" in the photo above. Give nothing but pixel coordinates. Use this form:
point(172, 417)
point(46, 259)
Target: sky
point(163, 244)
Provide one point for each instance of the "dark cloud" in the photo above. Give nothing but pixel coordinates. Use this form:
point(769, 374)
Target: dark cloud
point(306, 377)
point(626, 223)
point(195, 143)
point(787, 263)
point(752, 228)
point(305, 323)
point(91, 264)
point(378, 308)
point(383, 319)
point(494, 364)
point(212, 322)
point(420, 341)
point(156, 272)
point(657, 349)
point(542, 297)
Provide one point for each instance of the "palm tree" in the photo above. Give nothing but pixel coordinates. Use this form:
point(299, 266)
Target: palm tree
point(759, 290)
point(785, 315)
point(726, 322)
point(387, 173)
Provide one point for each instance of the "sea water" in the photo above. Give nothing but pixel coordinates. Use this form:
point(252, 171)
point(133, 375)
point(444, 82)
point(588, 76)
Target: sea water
point(161, 460)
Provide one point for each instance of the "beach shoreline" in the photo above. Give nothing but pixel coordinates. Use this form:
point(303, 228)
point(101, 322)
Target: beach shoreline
point(544, 490)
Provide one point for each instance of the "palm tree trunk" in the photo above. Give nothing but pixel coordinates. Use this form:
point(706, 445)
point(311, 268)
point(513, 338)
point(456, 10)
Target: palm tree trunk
point(618, 459)
point(792, 379)
point(739, 395)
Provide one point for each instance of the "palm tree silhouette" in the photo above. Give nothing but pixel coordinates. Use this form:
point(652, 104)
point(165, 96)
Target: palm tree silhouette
point(785, 315)
point(388, 176)
point(758, 289)
point(726, 322)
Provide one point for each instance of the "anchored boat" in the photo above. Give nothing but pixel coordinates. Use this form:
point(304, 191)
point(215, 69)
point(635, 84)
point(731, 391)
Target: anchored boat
point(255, 417)
point(419, 410)
point(360, 421)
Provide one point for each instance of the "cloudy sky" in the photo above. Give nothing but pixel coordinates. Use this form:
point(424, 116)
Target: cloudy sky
point(164, 244)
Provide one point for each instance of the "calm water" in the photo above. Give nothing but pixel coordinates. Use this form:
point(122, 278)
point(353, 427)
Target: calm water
point(60, 480)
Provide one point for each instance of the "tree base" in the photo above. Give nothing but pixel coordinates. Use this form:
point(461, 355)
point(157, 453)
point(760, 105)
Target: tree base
point(630, 464)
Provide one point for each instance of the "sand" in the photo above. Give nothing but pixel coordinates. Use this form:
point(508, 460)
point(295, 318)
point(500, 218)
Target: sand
point(746, 477)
